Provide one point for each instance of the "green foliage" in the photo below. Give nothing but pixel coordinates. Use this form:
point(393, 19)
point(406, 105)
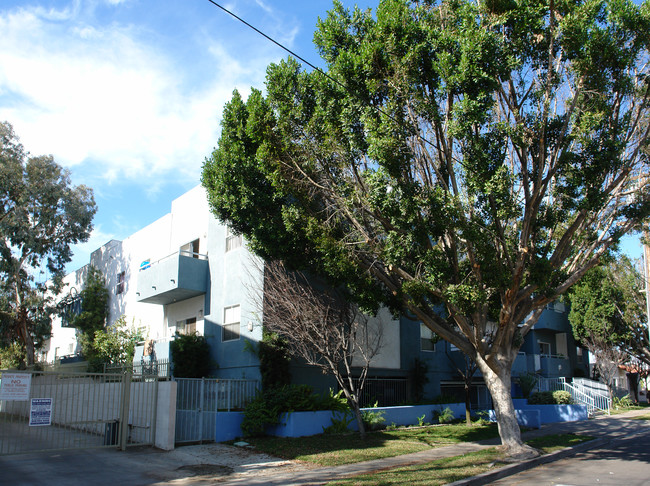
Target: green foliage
point(340, 423)
point(265, 409)
point(275, 359)
point(114, 345)
point(421, 421)
point(609, 310)
point(527, 382)
point(623, 402)
point(373, 420)
point(562, 397)
point(558, 397)
point(473, 156)
point(190, 356)
point(12, 357)
point(41, 216)
point(444, 416)
point(94, 304)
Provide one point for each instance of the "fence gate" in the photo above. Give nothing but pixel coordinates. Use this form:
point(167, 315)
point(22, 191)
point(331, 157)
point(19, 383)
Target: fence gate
point(199, 399)
point(41, 411)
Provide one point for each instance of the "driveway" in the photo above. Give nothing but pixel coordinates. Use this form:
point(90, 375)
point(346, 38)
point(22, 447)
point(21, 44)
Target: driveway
point(197, 464)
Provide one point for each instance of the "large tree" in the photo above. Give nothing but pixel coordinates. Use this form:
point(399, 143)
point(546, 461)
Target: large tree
point(41, 216)
point(479, 156)
point(608, 315)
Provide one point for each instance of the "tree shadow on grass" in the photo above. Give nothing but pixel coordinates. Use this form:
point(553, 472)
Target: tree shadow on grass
point(332, 449)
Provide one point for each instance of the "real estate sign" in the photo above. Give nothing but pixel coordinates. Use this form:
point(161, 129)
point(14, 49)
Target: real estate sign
point(15, 386)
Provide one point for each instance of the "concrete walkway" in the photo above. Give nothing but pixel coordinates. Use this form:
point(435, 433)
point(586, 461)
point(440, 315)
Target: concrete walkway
point(604, 428)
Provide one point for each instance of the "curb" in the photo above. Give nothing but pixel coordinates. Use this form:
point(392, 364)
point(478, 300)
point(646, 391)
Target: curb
point(511, 469)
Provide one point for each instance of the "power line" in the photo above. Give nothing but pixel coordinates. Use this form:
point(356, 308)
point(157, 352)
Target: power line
point(281, 46)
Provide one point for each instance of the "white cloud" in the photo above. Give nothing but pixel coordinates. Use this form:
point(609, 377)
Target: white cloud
point(108, 95)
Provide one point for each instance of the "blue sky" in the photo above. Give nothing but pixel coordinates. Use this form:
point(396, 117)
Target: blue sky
point(128, 94)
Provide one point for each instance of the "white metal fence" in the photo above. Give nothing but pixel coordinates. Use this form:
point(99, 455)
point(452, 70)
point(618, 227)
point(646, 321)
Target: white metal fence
point(199, 399)
point(77, 411)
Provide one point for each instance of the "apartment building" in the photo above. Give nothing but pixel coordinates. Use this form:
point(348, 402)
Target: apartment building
point(186, 272)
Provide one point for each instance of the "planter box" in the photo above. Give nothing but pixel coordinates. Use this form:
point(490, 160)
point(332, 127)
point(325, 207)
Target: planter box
point(228, 426)
point(554, 413)
point(301, 424)
point(525, 417)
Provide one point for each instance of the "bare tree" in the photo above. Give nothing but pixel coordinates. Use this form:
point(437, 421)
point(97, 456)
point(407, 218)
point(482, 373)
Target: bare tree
point(608, 359)
point(322, 326)
point(466, 370)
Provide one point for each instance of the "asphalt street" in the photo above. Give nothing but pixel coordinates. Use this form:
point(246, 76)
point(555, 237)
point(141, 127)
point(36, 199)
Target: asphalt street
point(622, 462)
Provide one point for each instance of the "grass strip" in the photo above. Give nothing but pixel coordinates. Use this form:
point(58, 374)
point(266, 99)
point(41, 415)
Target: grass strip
point(450, 469)
point(339, 449)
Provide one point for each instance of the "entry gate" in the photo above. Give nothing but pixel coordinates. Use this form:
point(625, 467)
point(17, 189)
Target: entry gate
point(76, 411)
point(199, 399)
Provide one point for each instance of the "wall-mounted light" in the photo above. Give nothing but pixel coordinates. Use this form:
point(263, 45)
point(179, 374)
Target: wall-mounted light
point(172, 280)
point(153, 287)
point(137, 293)
point(250, 326)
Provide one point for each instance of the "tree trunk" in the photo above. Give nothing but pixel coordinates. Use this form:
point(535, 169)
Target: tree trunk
point(27, 340)
point(359, 416)
point(499, 385)
point(468, 406)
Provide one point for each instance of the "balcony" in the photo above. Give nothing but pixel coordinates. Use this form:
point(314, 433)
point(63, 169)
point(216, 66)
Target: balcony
point(177, 277)
point(550, 366)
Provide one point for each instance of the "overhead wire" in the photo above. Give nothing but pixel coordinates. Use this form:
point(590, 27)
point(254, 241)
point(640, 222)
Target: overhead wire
point(302, 59)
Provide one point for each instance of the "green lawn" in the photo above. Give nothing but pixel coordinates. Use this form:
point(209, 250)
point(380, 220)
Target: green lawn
point(452, 469)
point(336, 449)
point(622, 409)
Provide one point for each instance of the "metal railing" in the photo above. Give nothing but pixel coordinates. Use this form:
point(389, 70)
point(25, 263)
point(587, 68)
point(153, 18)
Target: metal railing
point(159, 367)
point(594, 402)
point(54, 411)
point(550, 384)
point(198, 400)
point(145, 265)
point(385, 392)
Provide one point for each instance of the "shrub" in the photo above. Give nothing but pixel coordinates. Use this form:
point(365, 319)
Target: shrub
point(265, 409)
point(623, 402)
point(558, 397)
point(340, 423)
point(562, 397)
point(373, 420)
point(541, 398)
point(527, 383)
point(443, 416)
point(191, 356)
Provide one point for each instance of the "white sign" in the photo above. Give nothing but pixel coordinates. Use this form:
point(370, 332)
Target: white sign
point(15, 386)
point(40, 412)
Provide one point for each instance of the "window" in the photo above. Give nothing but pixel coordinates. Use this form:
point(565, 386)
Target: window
point(231, 320)
point(232, 240)
point(544, 348)
point(191, 249)
point(70, 307)
point(120, 283)
point(579, 354)
point(186, 326)
point(427, 341)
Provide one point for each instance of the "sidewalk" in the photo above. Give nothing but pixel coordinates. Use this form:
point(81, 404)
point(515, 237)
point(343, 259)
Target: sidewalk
point(604, 427)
